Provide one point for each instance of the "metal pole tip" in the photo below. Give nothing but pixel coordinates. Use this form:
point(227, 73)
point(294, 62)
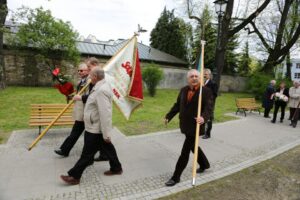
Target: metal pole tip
point(193, 182)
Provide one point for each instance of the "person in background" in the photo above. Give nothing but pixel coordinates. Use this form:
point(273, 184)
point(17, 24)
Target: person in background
point(268, 100)
point(78, 126)
point(209, 83)
point(294, 93)
point(91, 62)
point(281, 99)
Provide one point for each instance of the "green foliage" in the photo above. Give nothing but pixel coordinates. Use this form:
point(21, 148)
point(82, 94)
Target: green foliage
point(152, 75)
point(146, 119)
point(170, 35)
point(257, 84)
point(288, 82)
point(231, 57)
point(245, 61)
point(41, 31)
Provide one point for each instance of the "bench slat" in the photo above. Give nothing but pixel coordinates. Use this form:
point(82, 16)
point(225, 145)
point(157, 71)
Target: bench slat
point(248, 104)
point(44, 114)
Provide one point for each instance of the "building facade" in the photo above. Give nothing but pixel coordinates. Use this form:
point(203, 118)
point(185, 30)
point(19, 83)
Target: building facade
point(281, 71)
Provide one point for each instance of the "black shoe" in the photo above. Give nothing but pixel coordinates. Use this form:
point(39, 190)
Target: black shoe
point(200, 170)
point(100, 158)
point(171, 182)
point(205, 137)
point(61, 153)
point(294, 125)
point(267, 117)
point(273, 121)
point(281, 120)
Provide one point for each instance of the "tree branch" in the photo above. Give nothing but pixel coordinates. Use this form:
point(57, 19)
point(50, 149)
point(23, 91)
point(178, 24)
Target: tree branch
point(261, 37)
point(190, 13)
point(290, 43)
point(249, 19)
point(280, 60)
point(282, 25)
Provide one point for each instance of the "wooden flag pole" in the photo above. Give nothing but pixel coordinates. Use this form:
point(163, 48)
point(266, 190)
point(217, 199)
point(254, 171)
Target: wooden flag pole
point(54, 120)
point(198, 115)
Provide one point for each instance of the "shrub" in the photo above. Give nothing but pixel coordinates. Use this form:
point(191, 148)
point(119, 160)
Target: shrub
point(257, 84)
point(152, 75)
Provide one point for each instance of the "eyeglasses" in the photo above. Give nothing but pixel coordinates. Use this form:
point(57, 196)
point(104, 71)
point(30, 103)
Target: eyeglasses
point(81, 70)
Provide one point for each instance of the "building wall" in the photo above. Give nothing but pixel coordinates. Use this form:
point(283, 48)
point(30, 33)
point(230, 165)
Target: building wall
point(22, 69)
point(295, 70)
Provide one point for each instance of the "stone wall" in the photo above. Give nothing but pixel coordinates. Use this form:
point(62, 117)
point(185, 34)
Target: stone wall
point(233, 83)
point(22, 69)
point(175, 78)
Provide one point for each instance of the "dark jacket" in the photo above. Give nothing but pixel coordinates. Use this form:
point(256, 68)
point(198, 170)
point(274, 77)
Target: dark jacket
point(286, 93)
point(188, 110)
point(214, 88)
point(267, 101)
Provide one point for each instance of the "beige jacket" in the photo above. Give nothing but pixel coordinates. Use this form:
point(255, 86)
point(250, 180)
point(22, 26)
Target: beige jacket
point(294, 97)
point(98, 110)
point(79, 105)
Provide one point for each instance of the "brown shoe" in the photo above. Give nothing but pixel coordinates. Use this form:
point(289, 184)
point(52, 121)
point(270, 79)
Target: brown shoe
point(111, 173)
point(70, 180)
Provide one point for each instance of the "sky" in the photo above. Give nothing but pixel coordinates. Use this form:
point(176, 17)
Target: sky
point(105, 19)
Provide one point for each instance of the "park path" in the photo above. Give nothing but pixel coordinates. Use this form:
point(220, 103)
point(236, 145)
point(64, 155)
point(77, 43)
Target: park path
point(148, 161)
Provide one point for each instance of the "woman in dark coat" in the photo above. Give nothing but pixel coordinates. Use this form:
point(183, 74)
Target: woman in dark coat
point(281, 98)
point(268, 100)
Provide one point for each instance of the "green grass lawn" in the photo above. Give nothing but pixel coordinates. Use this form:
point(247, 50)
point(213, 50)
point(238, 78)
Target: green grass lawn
point(15, 109)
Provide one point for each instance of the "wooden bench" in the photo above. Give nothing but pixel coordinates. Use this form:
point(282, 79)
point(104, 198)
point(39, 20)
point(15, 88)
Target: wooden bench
point(247, 104)
point(43, 114)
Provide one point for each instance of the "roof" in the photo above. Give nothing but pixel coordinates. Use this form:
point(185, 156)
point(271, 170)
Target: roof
point(146, 53)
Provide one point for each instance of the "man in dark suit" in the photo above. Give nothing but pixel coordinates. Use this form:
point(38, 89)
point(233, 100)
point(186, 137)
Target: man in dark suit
point(268, 100)
point(209, 83)
point(187, 106)
point(281, 98)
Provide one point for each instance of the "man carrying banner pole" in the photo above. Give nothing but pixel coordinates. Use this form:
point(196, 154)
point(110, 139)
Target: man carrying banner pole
point(194, 105)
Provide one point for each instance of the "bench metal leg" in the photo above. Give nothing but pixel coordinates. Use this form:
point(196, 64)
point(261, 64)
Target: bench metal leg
point(40, 129)
point(245, 113)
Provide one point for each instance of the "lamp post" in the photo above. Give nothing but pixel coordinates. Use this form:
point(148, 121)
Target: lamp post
point(220, 8)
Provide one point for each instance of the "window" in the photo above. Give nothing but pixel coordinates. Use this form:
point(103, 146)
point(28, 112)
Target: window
point(297, 75)
point(297, 65)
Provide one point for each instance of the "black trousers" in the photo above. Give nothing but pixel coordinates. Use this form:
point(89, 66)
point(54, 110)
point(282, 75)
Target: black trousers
point(294, 115)
point(90, 148)
point(208, 126)
point(70, 141)
point(267, 111)
point(282, 109)
point(183, 159)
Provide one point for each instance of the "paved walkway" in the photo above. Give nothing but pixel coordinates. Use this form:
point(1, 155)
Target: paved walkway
point(148, 161)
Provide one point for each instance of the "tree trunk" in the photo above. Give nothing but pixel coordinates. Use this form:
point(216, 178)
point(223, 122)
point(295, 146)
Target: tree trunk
point(3, 14)
point(222, 45)
point(288, 66)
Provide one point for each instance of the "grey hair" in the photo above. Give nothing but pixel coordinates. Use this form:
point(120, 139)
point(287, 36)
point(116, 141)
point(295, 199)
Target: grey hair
point(93, 61)
point(273, 82)
point(191, 71)
point(98, 72)
point(209, 72)
point(82, 65)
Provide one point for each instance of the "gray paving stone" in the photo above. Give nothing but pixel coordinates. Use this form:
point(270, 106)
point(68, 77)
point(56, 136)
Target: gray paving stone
point(147, 160)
